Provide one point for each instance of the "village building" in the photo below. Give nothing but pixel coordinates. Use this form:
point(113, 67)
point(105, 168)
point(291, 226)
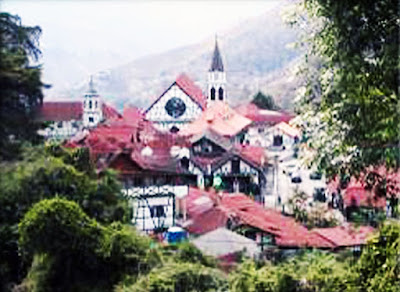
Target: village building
point(64, 119)
point(263, 120)
point(184, 101)
point(207, 211)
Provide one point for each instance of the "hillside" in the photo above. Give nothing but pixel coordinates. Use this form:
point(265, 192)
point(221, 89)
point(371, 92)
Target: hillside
point(256, 55)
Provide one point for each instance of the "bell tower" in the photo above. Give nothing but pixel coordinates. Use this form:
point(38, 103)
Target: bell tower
point(92, 107)
point(216, 78)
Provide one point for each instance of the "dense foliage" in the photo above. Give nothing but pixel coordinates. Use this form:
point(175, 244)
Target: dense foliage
point(350, 98)
point(82, 254)
point(264, 101)
point(379, 266)
point(45, 173)
point(186, 277)
point(378, 269)
point(311, 271)
point(20, 84)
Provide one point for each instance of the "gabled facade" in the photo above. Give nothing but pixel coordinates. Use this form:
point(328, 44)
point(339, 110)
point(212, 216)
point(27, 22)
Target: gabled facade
point(216, 156)
point(179, 105)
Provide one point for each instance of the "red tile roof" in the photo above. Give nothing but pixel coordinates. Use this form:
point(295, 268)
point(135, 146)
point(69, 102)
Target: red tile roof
point(256, 114)
point(110, 112)
point(60, 111)
point(344, 236)
point(242, 210)
point(57, 111)
point(219, 118)
point(254, 154)
point(191, 89)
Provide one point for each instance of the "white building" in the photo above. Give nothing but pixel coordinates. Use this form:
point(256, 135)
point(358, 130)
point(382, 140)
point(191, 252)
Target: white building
point(184, 101)
point(64, 119)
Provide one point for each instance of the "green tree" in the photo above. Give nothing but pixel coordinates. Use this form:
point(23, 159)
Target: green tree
point(73, 252)
point(264, 101)
point(39, 175)
point(173, 277)
point(349, 101)
point(310, 271)
point(379, 265)
point(20, 84)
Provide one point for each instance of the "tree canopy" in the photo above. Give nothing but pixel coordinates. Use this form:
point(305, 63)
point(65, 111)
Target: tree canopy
point(20, 83)
point(350, 98)
point(83, 255)
point(43, 173)
point(264, 101)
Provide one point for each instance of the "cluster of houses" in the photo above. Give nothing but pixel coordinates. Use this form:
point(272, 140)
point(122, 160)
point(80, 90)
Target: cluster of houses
point(191, 160)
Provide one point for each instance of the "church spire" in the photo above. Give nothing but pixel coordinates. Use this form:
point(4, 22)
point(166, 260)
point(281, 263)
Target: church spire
point(216, 78)
point(217, 64)
point(91, 85)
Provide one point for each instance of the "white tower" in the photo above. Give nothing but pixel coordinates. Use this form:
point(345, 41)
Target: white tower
point(216, 78)
point(92, 107)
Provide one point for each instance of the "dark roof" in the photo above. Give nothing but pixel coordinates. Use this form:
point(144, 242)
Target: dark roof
point(214, 137)
point(58, 111)
point(217, 64)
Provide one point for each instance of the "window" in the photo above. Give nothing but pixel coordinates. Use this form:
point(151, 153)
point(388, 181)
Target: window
point(235, 165)
point(213, 93)
point(175, 107)
point(197, 149)
point(95, 104)
point(278, 140)
point(91, 120)
point(174, 129)
point(185, 163)
point(90, 104)
point(157, 211)
point(221, 93)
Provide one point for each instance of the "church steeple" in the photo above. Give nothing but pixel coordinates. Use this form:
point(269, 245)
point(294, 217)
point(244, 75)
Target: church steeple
point(216, 78)
point(92, 107)
point(216, 64)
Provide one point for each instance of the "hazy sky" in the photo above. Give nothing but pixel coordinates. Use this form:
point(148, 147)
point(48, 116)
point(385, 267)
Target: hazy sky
point(130, 28)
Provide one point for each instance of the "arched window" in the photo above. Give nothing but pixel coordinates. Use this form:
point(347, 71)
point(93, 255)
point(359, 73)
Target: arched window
point(90, 104)
point(213, 93)
point(221, 93)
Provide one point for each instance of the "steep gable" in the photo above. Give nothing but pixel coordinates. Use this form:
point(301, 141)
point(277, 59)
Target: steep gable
point(187, 92)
